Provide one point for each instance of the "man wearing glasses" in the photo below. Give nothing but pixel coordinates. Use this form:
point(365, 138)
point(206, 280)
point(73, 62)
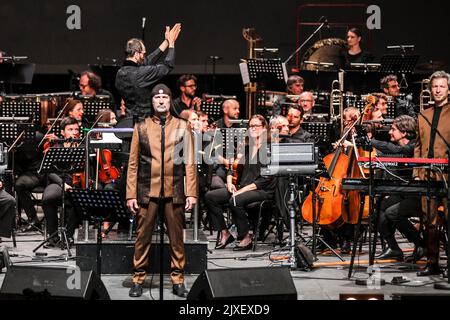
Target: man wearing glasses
point(139, 72)
point(391, 88)
point(187, 101)
point(307, 102)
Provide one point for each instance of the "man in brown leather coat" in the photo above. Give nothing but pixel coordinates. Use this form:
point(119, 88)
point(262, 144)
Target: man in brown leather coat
point(144, 186)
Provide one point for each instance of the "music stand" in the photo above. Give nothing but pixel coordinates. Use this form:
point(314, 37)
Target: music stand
point(64, 161)
point(213, 108)
point(20, 107)
point(322, 131)
point(398, 63)
point(232, 138)
point(93, 104)
point(98, 206)
point(269, 74)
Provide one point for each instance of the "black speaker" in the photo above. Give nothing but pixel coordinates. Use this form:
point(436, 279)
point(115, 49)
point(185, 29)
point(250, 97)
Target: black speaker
point(244, 283)
point(48, 283)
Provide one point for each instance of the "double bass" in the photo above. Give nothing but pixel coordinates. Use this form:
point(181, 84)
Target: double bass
point(333, 206)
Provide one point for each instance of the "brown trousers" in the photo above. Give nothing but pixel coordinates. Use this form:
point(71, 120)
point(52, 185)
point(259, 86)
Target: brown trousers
point(174, 220)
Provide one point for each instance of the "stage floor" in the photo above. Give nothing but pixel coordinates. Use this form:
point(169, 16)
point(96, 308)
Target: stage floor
point(326, 281)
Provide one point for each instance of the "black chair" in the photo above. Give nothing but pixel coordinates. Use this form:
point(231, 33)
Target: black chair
point(268, 204)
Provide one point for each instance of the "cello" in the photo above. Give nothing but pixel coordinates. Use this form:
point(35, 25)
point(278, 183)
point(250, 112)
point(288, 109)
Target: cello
point(332, 210)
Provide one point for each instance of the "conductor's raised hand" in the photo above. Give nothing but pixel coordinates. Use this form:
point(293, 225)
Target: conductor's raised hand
point(133, 205)
point(172, 36)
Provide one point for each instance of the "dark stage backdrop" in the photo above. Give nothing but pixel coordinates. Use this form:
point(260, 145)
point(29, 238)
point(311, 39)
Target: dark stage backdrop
point(39, 29)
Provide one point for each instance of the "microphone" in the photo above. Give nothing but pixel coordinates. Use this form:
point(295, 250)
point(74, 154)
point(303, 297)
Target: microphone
point(215, 58)
point(143, 22)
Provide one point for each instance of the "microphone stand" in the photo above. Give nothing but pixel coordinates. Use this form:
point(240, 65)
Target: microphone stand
point(443, 286)
point(161, 205)
point(307, 40)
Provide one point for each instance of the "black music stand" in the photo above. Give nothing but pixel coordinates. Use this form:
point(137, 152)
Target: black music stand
point(64, 161)
point(213, 108)
point(398, 63)
point(93, 104)
point(232, 138)
point(98, 206)
point(269, 74)
point(322, 131)
point(20, 107)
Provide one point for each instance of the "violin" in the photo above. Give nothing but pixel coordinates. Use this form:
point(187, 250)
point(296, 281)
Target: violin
point(107, 172)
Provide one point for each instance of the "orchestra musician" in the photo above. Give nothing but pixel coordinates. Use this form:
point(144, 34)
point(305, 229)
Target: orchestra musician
point(250, 187)
point(144, 186)
point(27, 163)
point(52, 195)
point(295, 118)
point(91, 85)
point(294, 86)
point(429, 144)
point(396, 209)
point(75, 110)
point(307, 102)
point(355, 52)
point(230, 110)
point(187, 85)
point(389, 85)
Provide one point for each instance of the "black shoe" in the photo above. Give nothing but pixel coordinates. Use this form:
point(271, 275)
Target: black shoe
point(391, 254)
point(223, 245)
point(430, 270)
point(247, 247)
point(180, 290)
point(135, 290)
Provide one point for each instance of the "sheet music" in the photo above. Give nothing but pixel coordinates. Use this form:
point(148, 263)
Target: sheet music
point(244, 72)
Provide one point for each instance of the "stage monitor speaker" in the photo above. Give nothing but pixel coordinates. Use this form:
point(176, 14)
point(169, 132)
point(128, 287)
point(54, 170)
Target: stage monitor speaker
point(48, 283)
point(273, 283)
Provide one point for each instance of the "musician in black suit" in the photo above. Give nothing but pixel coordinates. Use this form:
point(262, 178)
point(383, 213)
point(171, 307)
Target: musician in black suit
point(396, 209)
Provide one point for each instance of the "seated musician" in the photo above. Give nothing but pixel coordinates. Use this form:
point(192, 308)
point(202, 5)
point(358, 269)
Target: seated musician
point(75, 109)
point(230, 109)
point(91, 85)
point(295, 86)
point(7, 212)
point(251, 187)
point(187, 84)
point(307, 102)
point(396, 209)
point(52, 195)
point(391, 88)
point(295, 118)
point(343, 235)
point(279, 128)
point(27, 163)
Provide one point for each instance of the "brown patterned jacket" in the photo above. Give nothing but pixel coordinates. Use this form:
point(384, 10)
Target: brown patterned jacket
point(144, 165)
